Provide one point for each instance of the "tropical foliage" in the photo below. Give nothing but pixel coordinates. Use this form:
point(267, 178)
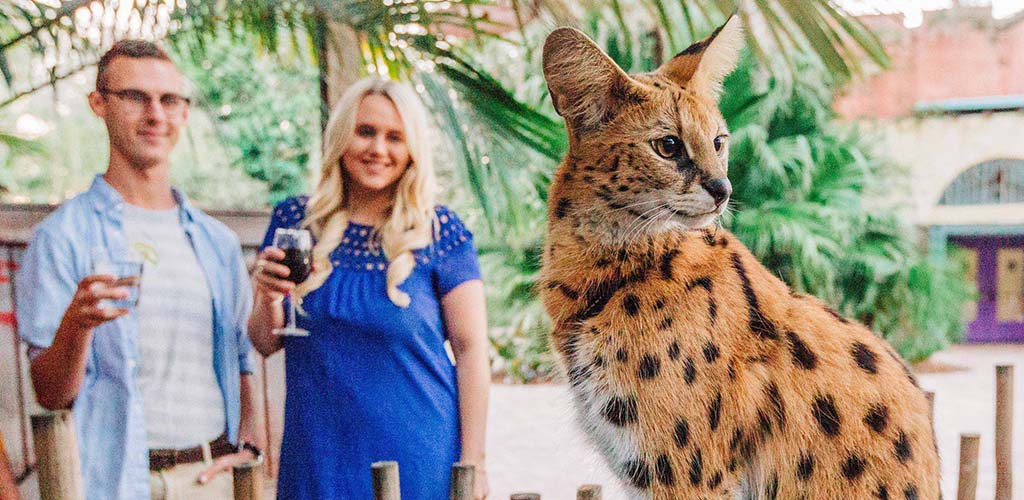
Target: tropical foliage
point(265, 109)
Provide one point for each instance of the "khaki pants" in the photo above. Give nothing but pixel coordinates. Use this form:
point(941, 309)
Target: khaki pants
point(181, 482)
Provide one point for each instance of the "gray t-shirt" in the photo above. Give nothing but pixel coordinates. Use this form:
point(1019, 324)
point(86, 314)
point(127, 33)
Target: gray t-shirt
point(182, 401)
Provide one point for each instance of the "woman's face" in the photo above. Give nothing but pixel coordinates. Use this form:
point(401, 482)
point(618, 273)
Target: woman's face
point(378, 155)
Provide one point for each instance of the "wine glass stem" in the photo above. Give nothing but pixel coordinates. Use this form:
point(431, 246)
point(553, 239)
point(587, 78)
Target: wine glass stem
point(291, 312)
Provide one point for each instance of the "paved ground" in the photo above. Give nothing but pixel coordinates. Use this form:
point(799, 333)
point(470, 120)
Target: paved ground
point(534, 444)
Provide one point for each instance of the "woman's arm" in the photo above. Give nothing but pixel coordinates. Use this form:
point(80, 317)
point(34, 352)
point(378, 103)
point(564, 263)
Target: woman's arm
point(465, 318)
point(269, 291)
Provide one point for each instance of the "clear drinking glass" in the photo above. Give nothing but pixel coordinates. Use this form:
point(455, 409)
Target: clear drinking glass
point(297, 245)
point(128, 273)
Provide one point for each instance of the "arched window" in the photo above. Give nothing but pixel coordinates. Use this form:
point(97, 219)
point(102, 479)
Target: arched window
point(987, 183)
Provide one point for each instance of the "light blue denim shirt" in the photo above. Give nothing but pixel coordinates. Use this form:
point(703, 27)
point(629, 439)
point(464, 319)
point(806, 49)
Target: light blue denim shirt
point(108, 409)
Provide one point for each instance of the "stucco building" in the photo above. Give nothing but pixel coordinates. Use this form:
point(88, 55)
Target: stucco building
point(951, 110)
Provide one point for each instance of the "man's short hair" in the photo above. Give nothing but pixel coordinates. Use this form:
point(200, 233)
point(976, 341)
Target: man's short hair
point(136, 49)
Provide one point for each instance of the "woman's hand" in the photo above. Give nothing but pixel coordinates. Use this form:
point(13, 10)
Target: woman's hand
point(269, 276)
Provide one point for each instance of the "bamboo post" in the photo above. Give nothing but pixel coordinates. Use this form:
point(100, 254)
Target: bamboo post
point(462, 481)
point(967, 486)
point(525, 496)
point(56, 446)
point(1004, 432)
point(589, 492)
point(248, 479)
point(385, 481)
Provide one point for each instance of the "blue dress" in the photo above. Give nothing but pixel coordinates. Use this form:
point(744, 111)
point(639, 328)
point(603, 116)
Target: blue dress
point(372, 381)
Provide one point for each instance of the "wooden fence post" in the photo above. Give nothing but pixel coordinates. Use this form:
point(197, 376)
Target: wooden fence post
point(248, 479)
point(462, 481)
point(967, 487)
point(525, 496)
point(1004, 432)
point(385, 481)
point(56, 445)
point(589, 492)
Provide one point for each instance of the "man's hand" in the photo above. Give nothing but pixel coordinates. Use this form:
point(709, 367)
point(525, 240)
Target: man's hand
point(85, 312)
point(225, 464)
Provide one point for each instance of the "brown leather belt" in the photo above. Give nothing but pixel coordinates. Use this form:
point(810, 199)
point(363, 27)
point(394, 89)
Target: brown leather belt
point(165, 459)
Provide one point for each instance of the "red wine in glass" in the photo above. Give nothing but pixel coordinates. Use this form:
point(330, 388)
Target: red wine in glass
point(299, 262)
point(297, 245)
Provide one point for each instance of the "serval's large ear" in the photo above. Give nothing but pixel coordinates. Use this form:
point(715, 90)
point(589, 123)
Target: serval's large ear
point(587, 87)
point(704, 65)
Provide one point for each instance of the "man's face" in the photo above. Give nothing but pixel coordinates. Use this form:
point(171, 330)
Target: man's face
point(139, 103)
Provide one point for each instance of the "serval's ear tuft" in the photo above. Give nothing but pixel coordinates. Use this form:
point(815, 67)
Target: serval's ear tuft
point(704, 65)
point(587, 88)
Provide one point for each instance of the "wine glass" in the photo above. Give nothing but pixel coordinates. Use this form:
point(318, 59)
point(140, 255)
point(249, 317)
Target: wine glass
point(297, 245)
point(128, 274)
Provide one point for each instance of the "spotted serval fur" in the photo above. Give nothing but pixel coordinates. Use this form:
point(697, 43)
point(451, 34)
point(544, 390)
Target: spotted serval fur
point(695, 371)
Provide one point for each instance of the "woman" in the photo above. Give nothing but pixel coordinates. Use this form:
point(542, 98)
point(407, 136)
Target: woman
point(394, 277)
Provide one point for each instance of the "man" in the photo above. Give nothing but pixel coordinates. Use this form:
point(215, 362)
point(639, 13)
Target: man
point(160, 390)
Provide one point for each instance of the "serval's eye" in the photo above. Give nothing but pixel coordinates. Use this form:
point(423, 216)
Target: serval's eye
point(720, 142)
point(669, 146)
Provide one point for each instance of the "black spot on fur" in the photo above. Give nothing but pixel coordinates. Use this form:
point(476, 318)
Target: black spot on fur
point(663, 469)
point(802, 356)
point(579, 374)
point(837, 316)
point(737, 438)
point(732, 369)
point(659, 304)
point(824, 410)
point(703, 282)
point(764, 422)
point(599, 361)
point(565, 289)
point(631, 303)
point(682, 433)
point(805, 467)
point(690, 372)
point(620, 411)
point(877, 418)
point(882, 493)
point(650, 366)
point(853, 467)
point(665, 324)
point(716, 479)
point(866, 359)
point(777, 405)
point(902, 448)
point(771, 490)
point(561, 208)
point(696, 468)
point(710, 352)
point(666, 264)
point(709, 237)
point(712, 310)
point(759, 324)
point(673, 351)
point(910, 492)
point(638, 473)
point(621, 355)
point(715, 411)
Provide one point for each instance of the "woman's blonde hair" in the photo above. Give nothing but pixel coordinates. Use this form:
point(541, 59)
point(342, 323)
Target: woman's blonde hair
point(410, 224)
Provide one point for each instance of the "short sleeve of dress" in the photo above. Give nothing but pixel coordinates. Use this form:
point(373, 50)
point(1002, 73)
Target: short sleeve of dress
point(454, 253)
point(287, 214)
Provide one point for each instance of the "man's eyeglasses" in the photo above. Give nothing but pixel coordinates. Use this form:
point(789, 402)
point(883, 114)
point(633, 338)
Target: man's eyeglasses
point(137, 100)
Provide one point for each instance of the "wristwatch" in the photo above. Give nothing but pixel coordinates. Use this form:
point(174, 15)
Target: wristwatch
point(245, 445)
